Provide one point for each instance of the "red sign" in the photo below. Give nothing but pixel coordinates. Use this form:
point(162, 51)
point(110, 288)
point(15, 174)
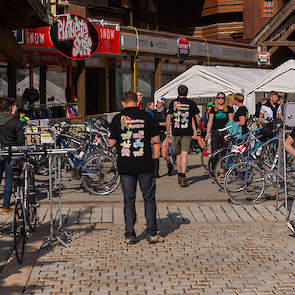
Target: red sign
point(39, 37)
point(183, 47)
point(109, 39)
point(263, 58)
point(74, 36)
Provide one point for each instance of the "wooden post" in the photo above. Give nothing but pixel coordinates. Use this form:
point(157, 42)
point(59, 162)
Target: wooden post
point(81, 90)
point(42, 84)
point(108, 99)
point(158, 74)
point(11, 76)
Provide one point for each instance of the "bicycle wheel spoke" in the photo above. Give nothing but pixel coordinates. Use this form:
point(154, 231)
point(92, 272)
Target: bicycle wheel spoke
point(244, 183)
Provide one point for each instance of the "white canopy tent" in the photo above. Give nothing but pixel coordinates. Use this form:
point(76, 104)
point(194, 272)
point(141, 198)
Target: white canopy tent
point(207, 81)
point(280, 79)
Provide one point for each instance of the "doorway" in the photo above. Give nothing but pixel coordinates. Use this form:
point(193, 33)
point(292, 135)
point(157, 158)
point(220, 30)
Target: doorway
point(95, 91)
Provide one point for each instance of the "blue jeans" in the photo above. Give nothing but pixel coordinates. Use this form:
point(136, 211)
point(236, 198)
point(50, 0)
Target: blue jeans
point(148, 188)
point(5, 166)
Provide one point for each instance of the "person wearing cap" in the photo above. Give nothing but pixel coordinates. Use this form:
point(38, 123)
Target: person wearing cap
point(160, 117)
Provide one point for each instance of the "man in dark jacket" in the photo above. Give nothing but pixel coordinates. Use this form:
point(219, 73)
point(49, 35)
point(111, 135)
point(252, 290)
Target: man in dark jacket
point(11, 134)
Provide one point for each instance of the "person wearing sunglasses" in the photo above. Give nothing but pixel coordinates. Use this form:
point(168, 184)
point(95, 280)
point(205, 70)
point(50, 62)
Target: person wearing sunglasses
point(218, 117)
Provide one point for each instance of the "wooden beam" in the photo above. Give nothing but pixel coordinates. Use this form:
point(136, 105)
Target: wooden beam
point(273, 50)
point(277, 43)
point(10, 48)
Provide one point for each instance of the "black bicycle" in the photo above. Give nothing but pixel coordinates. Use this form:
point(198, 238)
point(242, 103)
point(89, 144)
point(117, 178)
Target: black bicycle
point(25, 211)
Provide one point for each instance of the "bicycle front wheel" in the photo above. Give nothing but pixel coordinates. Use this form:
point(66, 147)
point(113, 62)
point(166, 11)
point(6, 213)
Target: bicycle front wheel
point(100, 174)
point(244, 183)
point(223, 165)
point(19, 233)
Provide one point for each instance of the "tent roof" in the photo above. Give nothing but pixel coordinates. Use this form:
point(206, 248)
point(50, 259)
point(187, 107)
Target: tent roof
point(280, 79)
point(207, 81)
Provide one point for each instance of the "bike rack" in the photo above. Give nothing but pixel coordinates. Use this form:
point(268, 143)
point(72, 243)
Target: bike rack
point(55, 233)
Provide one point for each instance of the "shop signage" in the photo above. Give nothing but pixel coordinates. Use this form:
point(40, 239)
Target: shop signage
point(39, 37)
point(183, 47)
point(74, 36)
point(149, 44)
point(169, 47)
point(263, 58)
point(109, 39)
point(46, 58)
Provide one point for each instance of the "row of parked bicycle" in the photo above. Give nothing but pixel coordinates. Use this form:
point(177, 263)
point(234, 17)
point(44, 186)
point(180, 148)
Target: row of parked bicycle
point(245, 166)
point(86, 152)
point(93, 161)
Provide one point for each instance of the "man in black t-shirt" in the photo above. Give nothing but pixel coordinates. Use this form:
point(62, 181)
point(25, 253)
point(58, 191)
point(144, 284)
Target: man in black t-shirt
point(180, 125)
point(133, 131)
point(242, 114)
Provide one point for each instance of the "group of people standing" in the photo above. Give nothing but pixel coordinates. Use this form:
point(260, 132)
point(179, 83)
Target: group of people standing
point(140, 135)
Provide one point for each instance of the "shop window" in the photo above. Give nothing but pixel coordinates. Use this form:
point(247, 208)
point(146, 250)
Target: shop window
point(123, 84)
point(23, 80)
point(56, 81)
point(145, 85)
point(267, 7)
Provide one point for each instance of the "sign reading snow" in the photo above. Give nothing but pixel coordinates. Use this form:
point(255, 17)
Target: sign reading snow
point(74, 36)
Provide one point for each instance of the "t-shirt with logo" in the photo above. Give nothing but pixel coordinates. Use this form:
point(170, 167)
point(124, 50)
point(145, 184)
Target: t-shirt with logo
point(182, 111)
point(220, 117)
point(269, 111)
point(133, 129)
point(242, 111)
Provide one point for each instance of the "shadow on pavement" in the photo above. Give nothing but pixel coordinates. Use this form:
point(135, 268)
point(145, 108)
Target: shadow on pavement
point(194, 179)
point(167, 225)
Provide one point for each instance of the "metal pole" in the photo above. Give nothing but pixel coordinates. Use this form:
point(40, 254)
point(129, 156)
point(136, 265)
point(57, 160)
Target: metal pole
point(50, 194)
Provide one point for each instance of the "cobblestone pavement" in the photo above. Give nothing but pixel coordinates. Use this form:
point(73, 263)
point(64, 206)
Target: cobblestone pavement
point(209, 249)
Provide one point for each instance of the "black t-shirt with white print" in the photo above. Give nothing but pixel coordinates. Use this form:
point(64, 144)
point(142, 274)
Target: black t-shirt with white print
point(182, 111)
point(133, 129)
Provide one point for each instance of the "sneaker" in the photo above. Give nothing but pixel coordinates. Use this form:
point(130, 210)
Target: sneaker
point(179, 178)
point(129, 241)
point(183, 182)
point(291, 225)
point(155, 239)
point(7, 211)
